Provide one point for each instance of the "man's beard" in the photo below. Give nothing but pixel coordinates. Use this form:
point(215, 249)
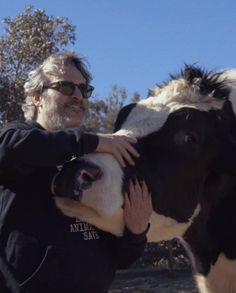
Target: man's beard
point(69, 115)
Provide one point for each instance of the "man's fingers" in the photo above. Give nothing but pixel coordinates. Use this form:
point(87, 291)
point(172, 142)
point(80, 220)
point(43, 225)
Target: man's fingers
point(127, 201)
point(119, 146)
point(118, 156)
point(144, 188)
point(126, 155)
point(129, 148)
point(131, 188)
point(138, 188)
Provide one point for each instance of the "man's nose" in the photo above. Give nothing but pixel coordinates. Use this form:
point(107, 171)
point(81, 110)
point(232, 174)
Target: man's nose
point(77, 94)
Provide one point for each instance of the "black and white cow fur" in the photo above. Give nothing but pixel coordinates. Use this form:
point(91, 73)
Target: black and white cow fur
point(186, 132)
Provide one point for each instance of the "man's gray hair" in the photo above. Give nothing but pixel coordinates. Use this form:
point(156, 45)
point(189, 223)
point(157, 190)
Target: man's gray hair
point(54, 65)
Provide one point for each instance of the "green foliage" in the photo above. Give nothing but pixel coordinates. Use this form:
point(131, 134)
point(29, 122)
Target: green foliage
point(29, 38)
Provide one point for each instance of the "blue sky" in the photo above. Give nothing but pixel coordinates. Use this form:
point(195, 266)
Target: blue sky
point(138, 43)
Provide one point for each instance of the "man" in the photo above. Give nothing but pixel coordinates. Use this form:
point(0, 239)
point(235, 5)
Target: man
point(41, 250)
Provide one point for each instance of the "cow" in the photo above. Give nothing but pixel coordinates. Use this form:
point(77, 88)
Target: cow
point(185, 132)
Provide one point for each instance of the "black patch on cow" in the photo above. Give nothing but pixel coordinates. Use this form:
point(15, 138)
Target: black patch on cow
point(74, 177)
point(212, 233)
point(122, 115)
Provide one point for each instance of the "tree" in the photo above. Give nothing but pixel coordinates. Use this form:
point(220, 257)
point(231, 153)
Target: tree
point(102, 113)
point(29, 39)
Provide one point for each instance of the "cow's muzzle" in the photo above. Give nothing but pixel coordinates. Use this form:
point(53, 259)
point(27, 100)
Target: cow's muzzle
point(74, 177)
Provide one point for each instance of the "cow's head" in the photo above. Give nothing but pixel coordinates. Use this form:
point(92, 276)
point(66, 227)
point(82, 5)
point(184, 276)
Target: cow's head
point(185, 131)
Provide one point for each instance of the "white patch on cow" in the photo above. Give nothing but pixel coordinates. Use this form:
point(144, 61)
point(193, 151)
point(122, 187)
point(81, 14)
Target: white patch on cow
point(221, 278)
point(230, 76)
point(201, 284)
point(144, 119)
point(105, 194)
point(113, 223)
point(166, 228)
point(150, 114)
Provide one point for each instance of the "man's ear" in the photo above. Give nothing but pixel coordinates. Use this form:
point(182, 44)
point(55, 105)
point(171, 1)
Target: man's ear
point(37, 101)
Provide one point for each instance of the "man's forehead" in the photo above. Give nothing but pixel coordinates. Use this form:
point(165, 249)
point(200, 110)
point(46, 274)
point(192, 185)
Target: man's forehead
point(68, 73)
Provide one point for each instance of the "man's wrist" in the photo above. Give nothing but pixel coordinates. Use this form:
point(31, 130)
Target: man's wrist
point(140, 236)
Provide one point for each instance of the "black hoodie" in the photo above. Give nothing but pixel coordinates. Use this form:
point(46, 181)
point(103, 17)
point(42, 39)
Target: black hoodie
point(42, 250)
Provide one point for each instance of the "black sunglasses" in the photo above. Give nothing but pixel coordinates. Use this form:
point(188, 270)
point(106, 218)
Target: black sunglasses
point(67, 88)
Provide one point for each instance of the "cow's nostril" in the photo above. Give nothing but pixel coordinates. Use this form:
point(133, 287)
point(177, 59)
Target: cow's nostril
point(90, 175)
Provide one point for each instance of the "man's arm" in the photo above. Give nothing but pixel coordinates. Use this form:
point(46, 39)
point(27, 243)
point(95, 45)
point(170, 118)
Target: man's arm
point(128, 248)
point(21, 144)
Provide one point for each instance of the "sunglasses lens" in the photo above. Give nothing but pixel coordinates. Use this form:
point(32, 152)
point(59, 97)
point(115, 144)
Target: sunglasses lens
point(66, 89)
point(90, 91)
point(86, 90)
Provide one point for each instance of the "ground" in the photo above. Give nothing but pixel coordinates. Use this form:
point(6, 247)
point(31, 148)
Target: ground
point(153, 281)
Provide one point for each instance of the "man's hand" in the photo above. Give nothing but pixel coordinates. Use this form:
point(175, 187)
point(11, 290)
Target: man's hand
point(138, 207)
point(118, 146)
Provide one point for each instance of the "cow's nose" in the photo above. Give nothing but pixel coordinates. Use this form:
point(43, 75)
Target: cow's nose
point(75, 176)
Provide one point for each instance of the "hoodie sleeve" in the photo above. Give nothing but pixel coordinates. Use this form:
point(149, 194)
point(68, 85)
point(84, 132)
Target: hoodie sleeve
point(21, 144)
point(127, 249)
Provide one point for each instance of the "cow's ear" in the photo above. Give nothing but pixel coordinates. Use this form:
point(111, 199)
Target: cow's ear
point(228, 109)
point(122, 115)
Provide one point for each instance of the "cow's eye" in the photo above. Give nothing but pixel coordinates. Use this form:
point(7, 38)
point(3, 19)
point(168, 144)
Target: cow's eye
point(189, 138)
point(185, 138)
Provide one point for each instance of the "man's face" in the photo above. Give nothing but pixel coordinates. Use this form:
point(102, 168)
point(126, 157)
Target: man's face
point(59, 111)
